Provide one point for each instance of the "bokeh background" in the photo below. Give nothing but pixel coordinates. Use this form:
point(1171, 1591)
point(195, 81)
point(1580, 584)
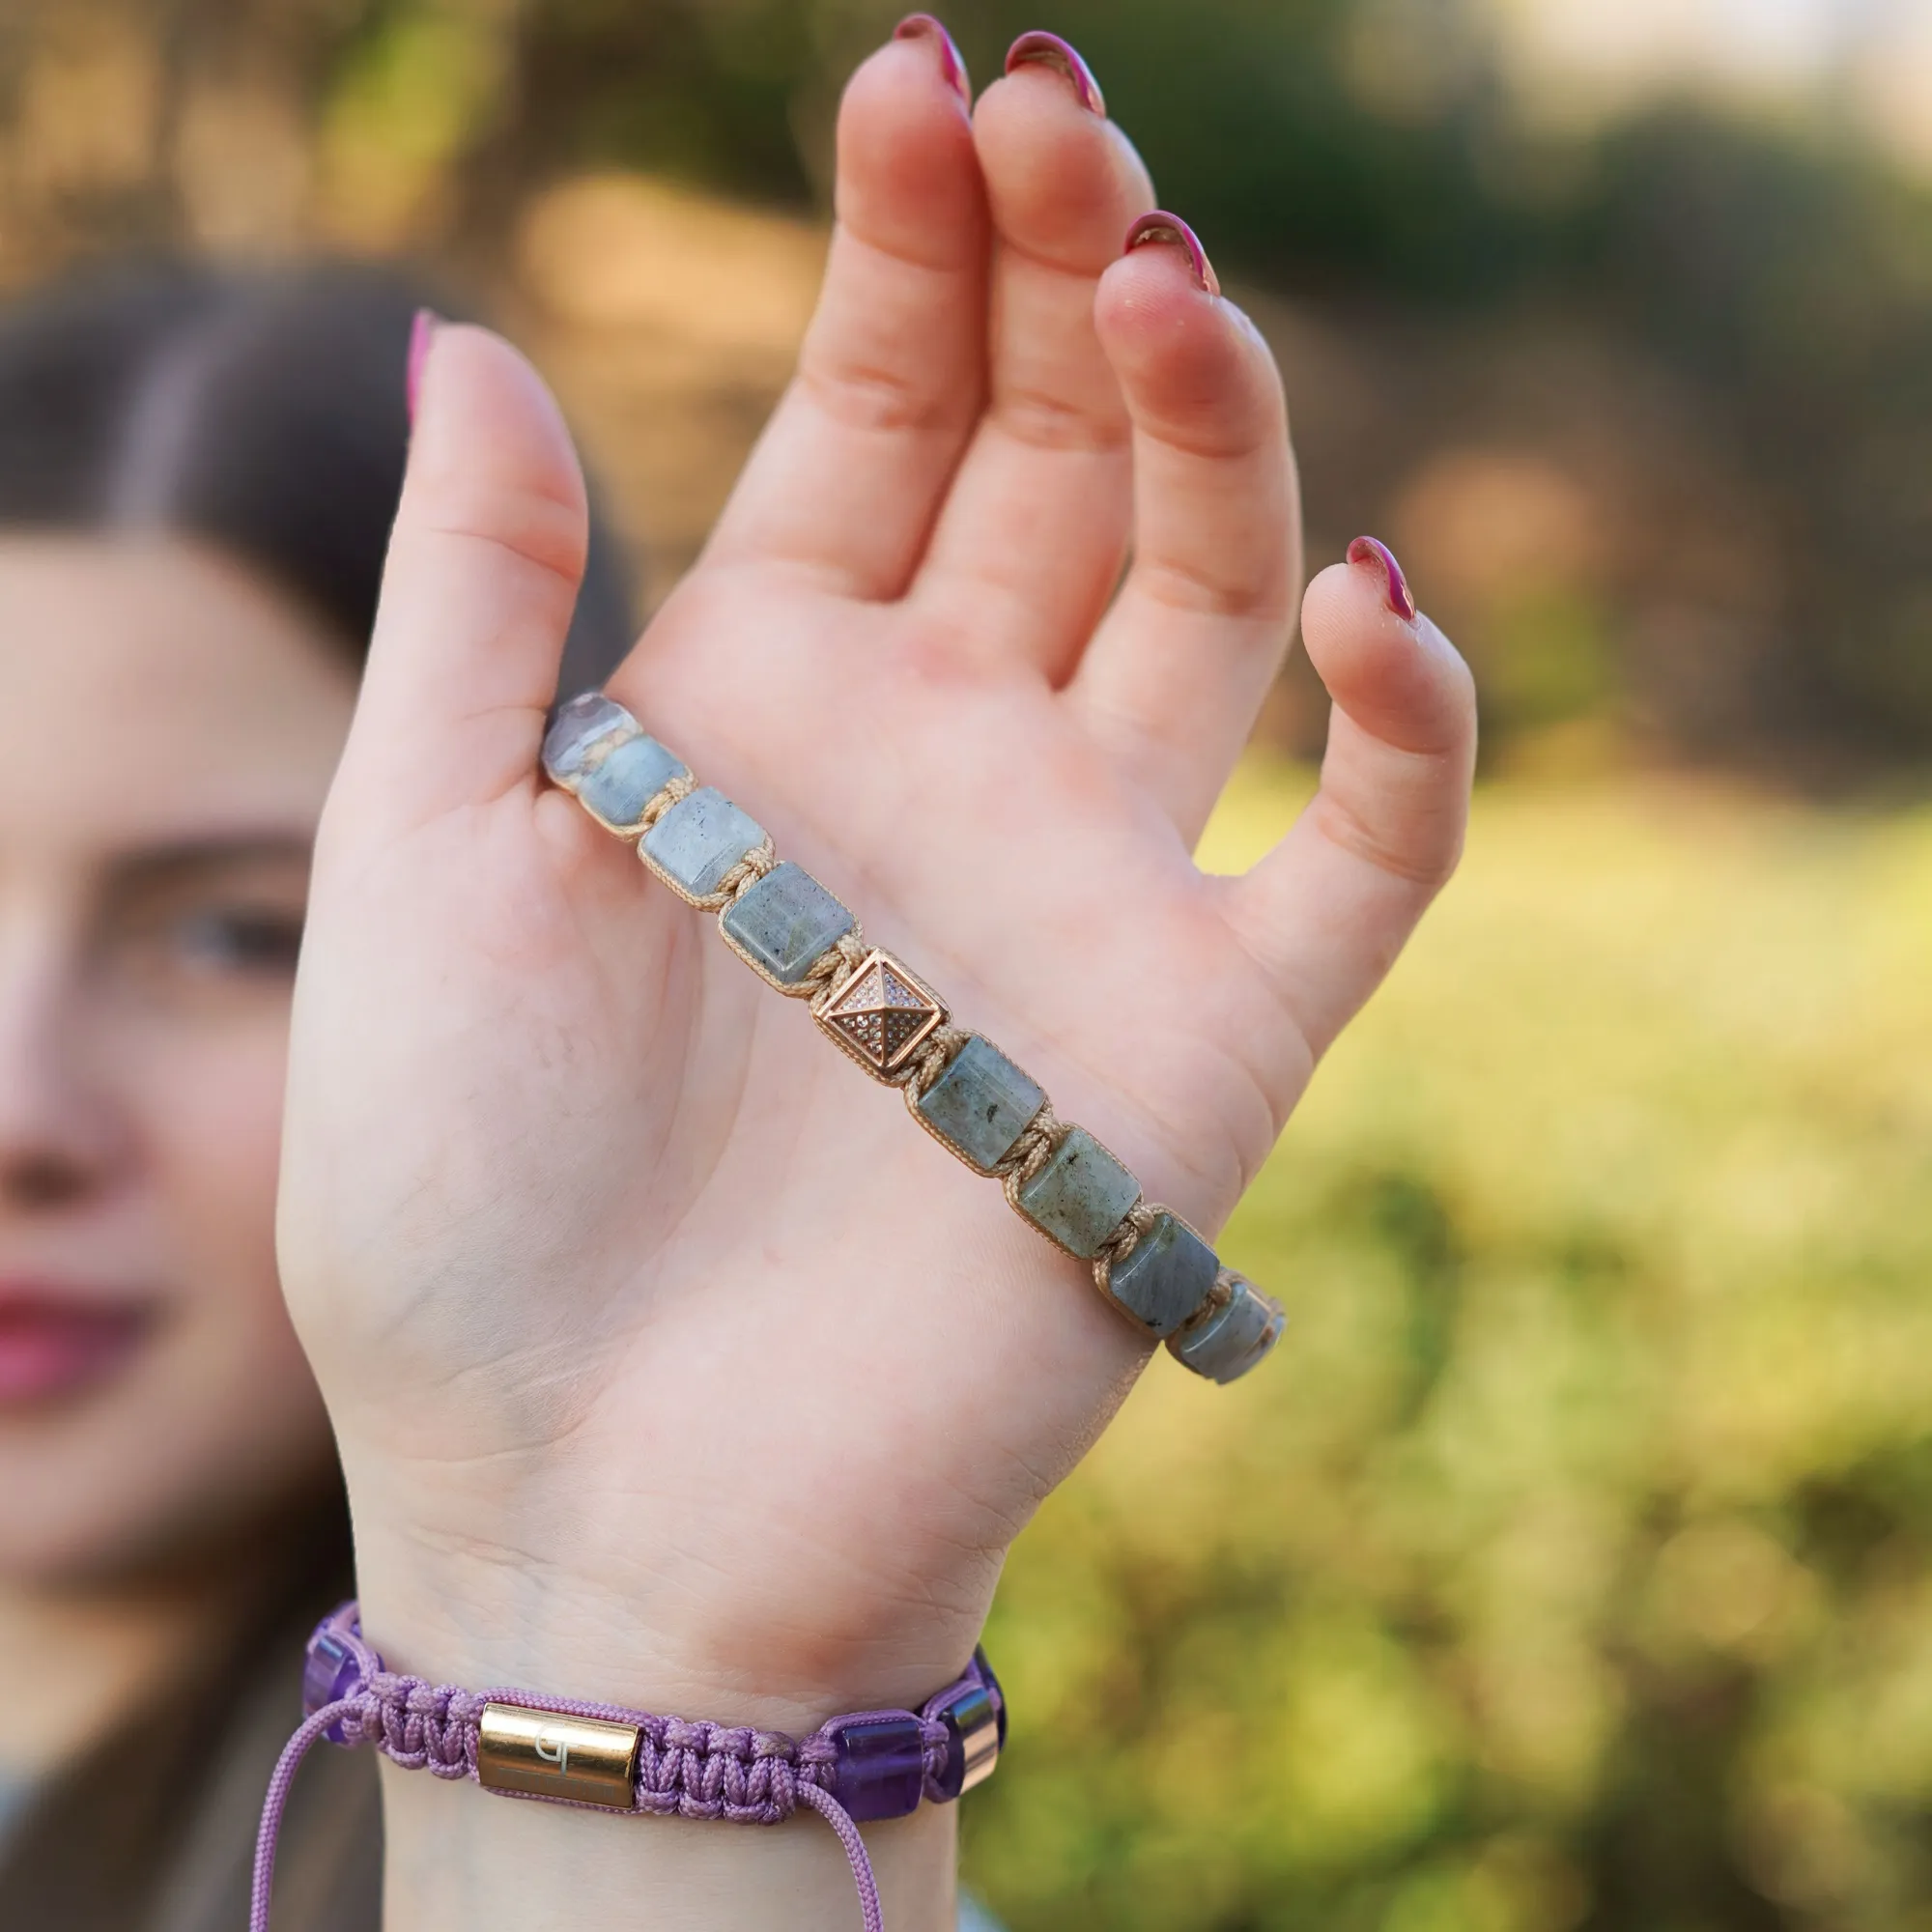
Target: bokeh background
point(1572, 1566)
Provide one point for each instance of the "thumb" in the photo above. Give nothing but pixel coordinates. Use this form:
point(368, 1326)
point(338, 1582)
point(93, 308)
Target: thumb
point(482, 576)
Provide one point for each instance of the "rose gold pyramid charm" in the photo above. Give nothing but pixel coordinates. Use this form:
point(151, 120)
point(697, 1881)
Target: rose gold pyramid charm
point(883, 1016)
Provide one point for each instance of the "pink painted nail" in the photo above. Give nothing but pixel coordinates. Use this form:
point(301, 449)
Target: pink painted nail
point(1050, 51)
point(951, 62)
point(1158, 225)
point(422, 332)
point(1377, 556)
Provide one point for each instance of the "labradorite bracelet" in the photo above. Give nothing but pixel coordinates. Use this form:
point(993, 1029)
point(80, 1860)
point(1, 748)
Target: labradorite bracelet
point(958, 1086)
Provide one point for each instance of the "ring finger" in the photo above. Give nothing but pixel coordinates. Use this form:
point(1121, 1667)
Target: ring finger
point(1037, 522)
point(1173, 678)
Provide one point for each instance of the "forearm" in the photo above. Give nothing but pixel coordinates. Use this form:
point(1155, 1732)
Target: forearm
point(460, 1860)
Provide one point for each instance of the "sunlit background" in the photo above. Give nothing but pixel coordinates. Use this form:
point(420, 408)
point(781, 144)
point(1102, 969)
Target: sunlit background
point(1572, 1566)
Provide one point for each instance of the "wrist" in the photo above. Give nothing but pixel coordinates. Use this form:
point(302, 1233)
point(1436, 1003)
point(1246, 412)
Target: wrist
point(884, 1768)
point(460, 1861)
point(484, 1615)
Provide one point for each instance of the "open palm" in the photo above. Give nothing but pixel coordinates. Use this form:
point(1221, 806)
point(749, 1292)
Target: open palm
point(665, 1356)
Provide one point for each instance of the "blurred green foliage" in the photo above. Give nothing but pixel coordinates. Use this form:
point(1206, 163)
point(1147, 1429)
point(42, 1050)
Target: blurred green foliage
point(1571, 1566)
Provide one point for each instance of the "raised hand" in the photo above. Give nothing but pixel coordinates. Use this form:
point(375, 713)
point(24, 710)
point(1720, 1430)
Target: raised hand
point(671, 1364)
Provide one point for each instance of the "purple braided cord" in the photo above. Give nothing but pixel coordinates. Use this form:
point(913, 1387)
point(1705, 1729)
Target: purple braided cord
point(691, 1770)
point(286, 1766)
point(835, 1815)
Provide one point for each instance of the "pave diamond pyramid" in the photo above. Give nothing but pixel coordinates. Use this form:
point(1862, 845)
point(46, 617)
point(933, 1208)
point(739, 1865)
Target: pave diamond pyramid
point(883, 1014)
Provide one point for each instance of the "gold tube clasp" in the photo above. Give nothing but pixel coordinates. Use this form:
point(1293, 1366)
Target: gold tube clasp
point(548, 1755)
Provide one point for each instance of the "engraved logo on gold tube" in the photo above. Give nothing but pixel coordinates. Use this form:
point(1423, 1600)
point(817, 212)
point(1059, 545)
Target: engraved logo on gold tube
point(548, 1755)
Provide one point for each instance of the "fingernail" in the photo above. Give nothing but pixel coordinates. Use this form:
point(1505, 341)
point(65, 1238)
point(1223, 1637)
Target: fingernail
point(951, 62)
point(1377, 556)
point(1158, 225)
point(422, 332)
point(1050, 51)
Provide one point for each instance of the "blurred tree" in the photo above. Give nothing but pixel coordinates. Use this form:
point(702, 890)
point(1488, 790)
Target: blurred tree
point(1362, 155)
point(1363, 151)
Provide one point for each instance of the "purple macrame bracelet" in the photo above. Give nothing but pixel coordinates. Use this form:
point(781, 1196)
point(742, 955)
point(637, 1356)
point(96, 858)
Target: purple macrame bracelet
point(864, 1766)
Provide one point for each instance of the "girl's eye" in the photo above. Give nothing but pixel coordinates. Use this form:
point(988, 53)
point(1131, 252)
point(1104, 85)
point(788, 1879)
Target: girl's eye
point(252, 941)
point(205, 959)
point(205, 937)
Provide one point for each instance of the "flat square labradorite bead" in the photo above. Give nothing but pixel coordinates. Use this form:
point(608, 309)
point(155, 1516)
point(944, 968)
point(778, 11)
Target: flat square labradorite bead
point(980, 1103)
point(581, 729)
point(627, 781)
point(1079, 1196)
point(784, 923)
point(1233, 1339)
point(1166, 1278)
point(699, 839)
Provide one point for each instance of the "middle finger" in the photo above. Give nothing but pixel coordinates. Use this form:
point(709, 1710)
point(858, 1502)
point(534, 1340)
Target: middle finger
point(1036, 524)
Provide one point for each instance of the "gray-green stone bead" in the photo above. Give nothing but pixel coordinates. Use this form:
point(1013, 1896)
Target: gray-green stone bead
point(1234, 1339)
point(699, 839)
point(785, 921)
point(582, 730)
point(1080, 1195)
point(618, 789)
point(982, 1104)
point(1167, 1277)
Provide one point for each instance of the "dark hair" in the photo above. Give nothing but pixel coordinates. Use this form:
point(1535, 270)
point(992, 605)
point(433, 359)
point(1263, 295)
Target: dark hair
point(261, 413)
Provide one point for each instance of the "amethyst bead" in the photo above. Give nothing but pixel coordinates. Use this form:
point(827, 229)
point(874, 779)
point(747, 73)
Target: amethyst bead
point(974, 1712)
point(335, 1665)
point(881, 1767)
point(969, 1716)
point(984, 1670)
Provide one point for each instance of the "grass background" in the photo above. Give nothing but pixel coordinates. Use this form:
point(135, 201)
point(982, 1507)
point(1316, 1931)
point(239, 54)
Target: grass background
point(1569, 1565)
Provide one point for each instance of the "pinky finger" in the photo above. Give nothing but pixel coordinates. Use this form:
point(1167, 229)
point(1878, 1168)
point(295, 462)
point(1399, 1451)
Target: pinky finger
point(1328, 911)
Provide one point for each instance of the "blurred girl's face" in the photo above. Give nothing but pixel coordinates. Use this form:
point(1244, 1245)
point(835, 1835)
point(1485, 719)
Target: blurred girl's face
point(167, 731)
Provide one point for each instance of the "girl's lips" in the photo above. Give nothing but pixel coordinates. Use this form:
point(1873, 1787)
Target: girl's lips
point(51, 1346)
